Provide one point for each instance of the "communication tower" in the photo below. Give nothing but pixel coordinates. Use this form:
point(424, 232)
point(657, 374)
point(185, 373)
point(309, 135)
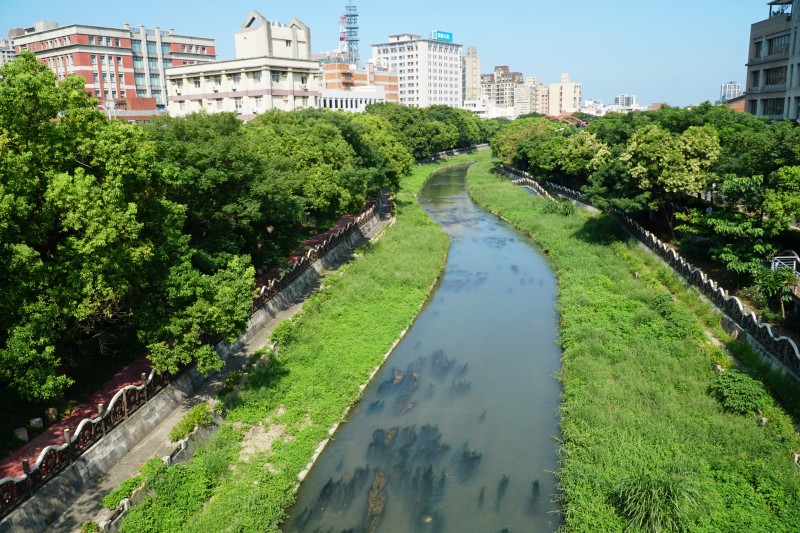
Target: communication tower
point(351, 32)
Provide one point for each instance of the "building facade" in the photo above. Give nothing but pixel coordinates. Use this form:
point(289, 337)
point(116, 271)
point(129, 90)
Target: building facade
point(499, 86)
point(124, 68)
point(773, 66)
point(429, 71)
point(729, 91)
point(531, 97)
point(564, 97)
point(625, 100)
point(344, 77)
point(272, 70)
point(472, 75)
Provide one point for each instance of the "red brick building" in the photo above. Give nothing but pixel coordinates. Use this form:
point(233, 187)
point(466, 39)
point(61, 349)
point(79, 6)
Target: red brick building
point(123, 67)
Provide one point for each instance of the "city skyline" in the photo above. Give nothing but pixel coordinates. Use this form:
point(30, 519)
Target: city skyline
point(672, 53)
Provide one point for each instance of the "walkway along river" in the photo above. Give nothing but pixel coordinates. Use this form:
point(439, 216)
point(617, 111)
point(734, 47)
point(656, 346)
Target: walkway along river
point(457, 431)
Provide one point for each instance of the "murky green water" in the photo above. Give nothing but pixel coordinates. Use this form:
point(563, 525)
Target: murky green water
point(457, 431)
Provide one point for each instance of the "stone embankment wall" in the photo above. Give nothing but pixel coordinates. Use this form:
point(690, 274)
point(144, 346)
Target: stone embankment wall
point(780, 351)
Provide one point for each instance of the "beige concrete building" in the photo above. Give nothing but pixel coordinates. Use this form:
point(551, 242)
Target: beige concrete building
point(472, 75)
point(773, 66)
point(272, 70)
point(429, 71)
point(498, 87)
point(564, 97)
point(531, 97)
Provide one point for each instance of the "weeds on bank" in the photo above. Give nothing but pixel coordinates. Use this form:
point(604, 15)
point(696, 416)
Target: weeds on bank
point(326, 352)
point(647, 444)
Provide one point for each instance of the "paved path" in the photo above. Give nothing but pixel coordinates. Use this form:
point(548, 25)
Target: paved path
point(156, 443)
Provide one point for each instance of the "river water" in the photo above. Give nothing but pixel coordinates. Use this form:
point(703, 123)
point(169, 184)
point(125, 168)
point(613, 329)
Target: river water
point(457, 432)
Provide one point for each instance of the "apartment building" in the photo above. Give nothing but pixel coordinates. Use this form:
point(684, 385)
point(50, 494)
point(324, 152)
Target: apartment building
point(564, 97)
point(531, 97)
point(498, 87)
point(371, 82)
point(472, 75)
point(429, 71)
point(773, 66)
point(273, 69)
point(730, 90)
point(124, 67)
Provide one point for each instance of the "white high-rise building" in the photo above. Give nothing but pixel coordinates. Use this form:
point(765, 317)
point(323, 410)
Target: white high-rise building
point(730, 90)
point(625, 100)
point(429, 71)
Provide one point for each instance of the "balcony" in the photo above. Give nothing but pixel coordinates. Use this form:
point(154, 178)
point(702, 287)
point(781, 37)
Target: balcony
point(767, 89)
point(766, 59)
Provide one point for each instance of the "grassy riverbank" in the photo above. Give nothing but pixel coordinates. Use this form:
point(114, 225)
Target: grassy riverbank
point(244, 478)
point(645, 440)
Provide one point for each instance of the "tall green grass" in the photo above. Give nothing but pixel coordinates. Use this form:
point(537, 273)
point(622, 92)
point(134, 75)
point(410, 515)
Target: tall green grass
point(646, 442)
point(329, 349)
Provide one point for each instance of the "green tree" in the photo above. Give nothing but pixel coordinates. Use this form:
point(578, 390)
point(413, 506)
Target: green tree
point(668, 168)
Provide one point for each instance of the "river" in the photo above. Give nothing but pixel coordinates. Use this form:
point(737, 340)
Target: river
point(457, 432)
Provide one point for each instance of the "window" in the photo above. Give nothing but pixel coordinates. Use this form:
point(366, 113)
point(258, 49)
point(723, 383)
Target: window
point(136, 45)
point(236, 78)
point(97, 93)
point(138, 63)
point(141, 93)
point(94, 59)
point(304, 79)
point(152, 63)
point(257, 76)
point(778, 45)
point(116, 41)
point(122, 93)
point(155, 80)
point(204, 49)
point(196, 83)
point(165, 49)
point(151, 47)
point(756, 78)
point(182, 106)
point(167, 63)
point(219, 103)
point(773, 107)
point(119, 61)
point(237, 102)
point(121, 77)
point(95, 77)
point(157, 96)
point(288, 43)
point(276, 77)
point(256, 102)
point(775, 76)
point(178, 83)
point(110, 77)
point(139, 80)
point(105, 76)
point(113, 94)
point(91, 39)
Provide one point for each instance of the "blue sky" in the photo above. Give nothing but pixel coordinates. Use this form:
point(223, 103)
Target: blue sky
point(678, 51)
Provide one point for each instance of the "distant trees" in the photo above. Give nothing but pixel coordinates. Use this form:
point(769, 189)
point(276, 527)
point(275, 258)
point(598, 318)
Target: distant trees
point(159, 230)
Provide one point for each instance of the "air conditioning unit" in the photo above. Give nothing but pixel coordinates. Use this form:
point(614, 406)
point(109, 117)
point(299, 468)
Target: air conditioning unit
point(303, 87)
point(177, 91)
point(215, 89)
point(234, 88)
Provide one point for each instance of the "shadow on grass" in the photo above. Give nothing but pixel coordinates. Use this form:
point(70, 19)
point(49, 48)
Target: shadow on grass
point(268, 377)
point(602, 230)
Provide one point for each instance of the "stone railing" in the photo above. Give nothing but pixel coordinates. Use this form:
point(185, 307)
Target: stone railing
point(780, 348)
point(54, 459)
point(298, 267)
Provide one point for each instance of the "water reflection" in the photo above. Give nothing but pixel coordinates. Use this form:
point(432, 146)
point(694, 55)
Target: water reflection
point(456, 431)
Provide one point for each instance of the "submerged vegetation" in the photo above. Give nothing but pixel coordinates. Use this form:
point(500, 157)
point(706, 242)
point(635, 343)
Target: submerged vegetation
point(652, 438)
point(285, 409)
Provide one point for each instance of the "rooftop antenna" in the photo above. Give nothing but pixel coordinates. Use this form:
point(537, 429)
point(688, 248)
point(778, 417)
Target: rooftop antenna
point(351, 29)
point(342, 35)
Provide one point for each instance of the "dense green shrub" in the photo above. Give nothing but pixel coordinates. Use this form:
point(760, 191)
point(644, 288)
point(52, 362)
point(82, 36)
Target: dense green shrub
point(199, 415)
point(90, 526)
point(739, 393)
point(283, 334)
point(125, 489)
point(656, 502)
point(561, 206)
